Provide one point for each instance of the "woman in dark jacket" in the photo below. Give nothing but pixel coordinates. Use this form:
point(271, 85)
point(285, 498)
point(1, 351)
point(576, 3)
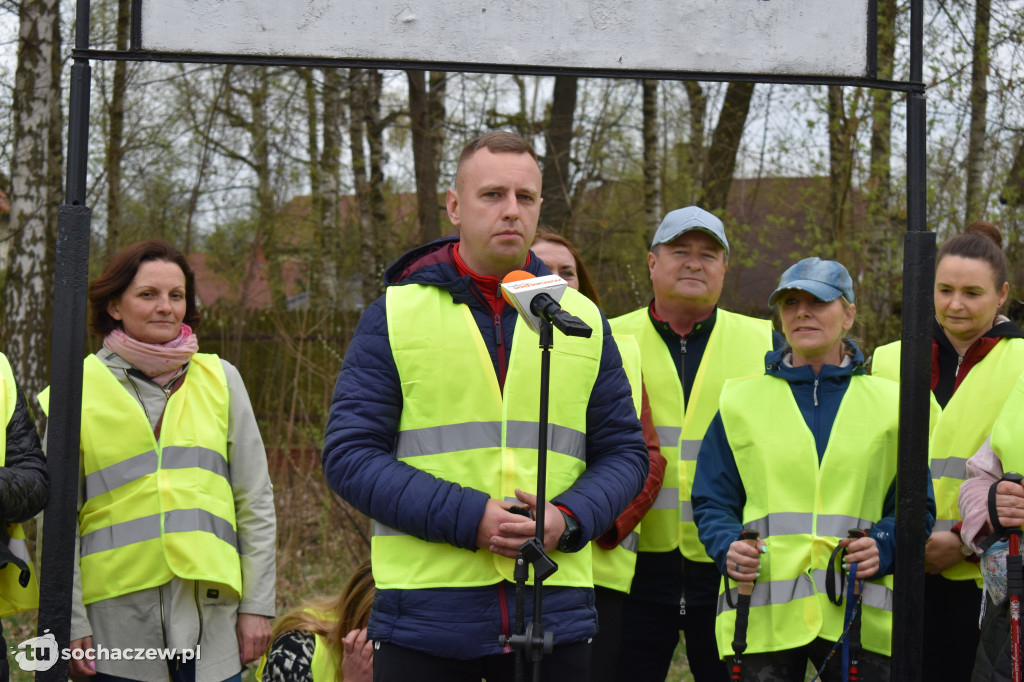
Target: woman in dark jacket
point(23, 494)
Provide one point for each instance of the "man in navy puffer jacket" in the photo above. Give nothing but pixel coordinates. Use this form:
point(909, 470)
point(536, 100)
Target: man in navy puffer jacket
point(446, 626)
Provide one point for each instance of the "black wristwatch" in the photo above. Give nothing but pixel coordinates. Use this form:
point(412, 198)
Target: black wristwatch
point(571, 537)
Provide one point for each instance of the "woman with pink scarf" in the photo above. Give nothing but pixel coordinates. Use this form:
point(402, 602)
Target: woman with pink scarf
point(176, 512)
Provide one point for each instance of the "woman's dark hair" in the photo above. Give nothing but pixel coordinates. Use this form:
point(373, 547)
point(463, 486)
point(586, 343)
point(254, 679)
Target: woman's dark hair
point(120, 272)
point(587, 288)
point(980, 241)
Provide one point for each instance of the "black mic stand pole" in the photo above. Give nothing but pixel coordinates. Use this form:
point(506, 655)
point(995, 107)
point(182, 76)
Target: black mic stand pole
point(531, 642)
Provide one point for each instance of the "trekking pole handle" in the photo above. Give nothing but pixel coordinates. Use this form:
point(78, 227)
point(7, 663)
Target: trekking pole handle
point(751, 538)
point(993, 514)
point(1013, 477)
point(855, 534)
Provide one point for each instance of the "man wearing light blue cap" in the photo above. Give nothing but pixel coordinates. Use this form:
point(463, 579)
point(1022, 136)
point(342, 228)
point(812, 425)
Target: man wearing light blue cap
point(689, 347)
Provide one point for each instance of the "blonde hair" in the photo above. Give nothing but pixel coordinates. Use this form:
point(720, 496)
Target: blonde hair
point(350, 610)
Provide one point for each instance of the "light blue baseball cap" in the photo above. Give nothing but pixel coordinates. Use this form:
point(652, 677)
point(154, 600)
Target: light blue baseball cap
point(682, 220)
point(826, 280)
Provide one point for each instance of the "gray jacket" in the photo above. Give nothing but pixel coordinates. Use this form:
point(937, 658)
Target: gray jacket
point(184, 613)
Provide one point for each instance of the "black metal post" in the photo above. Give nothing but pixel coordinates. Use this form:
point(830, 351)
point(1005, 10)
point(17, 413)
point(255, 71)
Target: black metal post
point(65, 411)
point(915, 386)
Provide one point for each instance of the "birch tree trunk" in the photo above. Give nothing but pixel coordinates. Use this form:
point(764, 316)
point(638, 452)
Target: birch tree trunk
point(330, 185)
point(36, 195)
point(375, 127)
point(974, 201)
point(652, 185)
point(368, 251)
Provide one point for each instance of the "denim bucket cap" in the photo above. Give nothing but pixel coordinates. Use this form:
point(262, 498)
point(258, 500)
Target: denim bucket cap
point(682, 220)
point(826, 280)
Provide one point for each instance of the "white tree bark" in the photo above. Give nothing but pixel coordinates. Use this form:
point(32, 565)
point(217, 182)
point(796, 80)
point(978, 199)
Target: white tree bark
point(33, 201)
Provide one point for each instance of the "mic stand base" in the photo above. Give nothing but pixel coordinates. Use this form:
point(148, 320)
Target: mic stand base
point(530, 642)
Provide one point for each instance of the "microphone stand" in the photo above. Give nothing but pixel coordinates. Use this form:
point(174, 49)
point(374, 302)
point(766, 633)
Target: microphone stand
point(531, 642)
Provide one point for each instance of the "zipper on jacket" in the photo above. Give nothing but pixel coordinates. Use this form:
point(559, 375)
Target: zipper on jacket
point(815, 390)
point(959, 361)
point(503, 608)
point(138, 395)
point(199, 610)
point(682, 367)
point(499, 341)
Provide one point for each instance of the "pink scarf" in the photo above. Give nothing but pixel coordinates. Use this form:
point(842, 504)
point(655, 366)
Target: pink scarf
point(159, 361)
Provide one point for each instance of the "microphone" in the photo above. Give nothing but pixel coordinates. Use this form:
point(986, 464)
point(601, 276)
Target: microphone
point(536, 299)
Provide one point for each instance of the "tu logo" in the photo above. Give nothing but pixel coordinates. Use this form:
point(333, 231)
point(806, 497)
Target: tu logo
point(38, 653)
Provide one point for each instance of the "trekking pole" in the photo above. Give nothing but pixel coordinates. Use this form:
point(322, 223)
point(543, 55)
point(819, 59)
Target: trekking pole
point(1015, 587)
point(744, 588)
point(849, 640)
point(852, 646)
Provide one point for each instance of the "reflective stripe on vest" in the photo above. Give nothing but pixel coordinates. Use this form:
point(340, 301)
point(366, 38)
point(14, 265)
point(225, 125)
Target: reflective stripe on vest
point(13, 597)
point(876, 595)
point(446, 374)
point(796, 523)
point(133, 468)
point(152, 510)
point(736, 348)
point(959, 430)
point(437, 440)
point(614, 568)
point(804, 508)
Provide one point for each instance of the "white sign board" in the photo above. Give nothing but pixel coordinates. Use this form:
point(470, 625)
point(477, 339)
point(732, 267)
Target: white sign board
point(795, 37)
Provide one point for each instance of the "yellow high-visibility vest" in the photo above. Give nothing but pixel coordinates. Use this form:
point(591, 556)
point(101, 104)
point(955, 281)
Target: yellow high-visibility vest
point(614, 568)
point(324, 664)
point(448, 379)
point(156, 510)
point(14, 598)
point(959, 429)
point(802, 508)
point(1007, 434)
point(736, 348)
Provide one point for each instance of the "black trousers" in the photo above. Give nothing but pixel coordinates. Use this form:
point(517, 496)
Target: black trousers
point(650, 633)
point(393, 663)
point(993, 662)
point(791, 664)
point(604, 654)
point(951, 611)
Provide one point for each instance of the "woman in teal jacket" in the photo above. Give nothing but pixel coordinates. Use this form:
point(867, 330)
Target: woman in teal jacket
point(769, 463)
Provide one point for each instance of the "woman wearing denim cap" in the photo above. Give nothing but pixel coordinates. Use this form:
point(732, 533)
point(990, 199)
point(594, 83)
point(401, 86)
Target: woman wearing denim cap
point(802, 454)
